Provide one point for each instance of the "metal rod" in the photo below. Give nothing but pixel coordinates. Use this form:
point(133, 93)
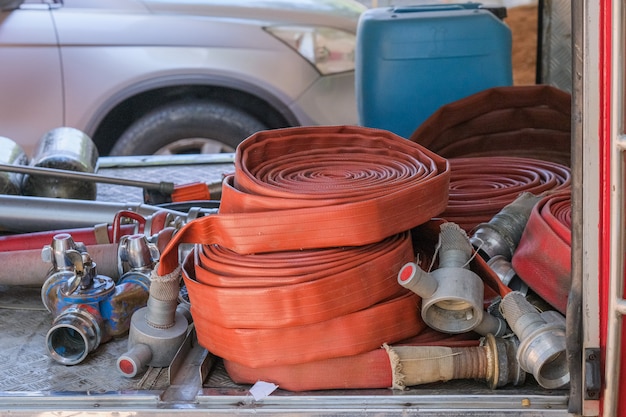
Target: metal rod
point(21, 214)
point(161, 160)
point(163, 186)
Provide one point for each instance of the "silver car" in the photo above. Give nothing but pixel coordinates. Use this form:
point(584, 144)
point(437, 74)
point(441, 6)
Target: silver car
point(174, 76)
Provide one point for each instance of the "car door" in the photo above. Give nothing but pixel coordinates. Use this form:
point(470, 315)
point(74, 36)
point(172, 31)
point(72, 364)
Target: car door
point(31, 96)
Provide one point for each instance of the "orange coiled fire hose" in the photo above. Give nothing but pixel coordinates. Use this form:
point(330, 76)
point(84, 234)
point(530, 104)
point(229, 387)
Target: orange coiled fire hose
point(480, 187)
point(543, 257)
point(310, 192)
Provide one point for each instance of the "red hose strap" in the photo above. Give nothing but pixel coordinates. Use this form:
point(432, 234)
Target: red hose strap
point(480, 187)
point(320, 187)
point(543, 257)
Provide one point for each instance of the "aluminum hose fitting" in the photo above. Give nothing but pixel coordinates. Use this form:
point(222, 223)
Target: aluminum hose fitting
point(67, 149)
point(452, 295)
point(542, 349)
point(11, 154)
point(158, 330)
point(89, 309)
point(501, 235)
point(507, 275)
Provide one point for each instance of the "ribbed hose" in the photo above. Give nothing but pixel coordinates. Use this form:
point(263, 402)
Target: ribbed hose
point(501, 235)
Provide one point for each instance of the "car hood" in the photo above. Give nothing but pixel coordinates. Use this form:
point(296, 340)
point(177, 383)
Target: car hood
point(341, 13)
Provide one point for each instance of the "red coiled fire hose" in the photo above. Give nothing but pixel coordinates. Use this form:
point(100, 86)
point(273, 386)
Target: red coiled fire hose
point(299, 198)
point(543, 256)
point(529, 121)
point(482, 186)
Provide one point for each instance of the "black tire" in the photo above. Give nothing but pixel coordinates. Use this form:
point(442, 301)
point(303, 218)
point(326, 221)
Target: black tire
point(187, 127)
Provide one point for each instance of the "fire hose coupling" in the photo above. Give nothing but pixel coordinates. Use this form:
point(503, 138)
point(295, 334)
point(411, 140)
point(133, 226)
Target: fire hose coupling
point(501, 235)
point(506, 274)
point(88, 308)
point(494, 361)
point(542, 349)
point(452, 295)
point(158, 330)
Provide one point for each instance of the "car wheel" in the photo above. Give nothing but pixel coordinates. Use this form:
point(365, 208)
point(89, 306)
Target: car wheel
point(189, 127)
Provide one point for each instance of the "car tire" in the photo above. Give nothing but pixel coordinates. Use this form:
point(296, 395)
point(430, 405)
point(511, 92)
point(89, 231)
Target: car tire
point(187, 127)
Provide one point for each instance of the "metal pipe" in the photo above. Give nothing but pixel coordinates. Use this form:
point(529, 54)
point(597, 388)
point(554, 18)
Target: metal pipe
point(24, 267)
point(24, 214)
point(67, 149)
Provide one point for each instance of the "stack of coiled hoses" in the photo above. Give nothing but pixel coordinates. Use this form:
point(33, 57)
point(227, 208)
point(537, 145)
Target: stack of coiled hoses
point(300, 263)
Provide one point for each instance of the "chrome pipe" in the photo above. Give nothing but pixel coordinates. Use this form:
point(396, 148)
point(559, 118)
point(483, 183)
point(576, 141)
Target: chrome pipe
point(25, 214)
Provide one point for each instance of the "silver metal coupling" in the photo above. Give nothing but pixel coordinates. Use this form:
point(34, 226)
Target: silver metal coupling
point(88, 308)
point(506, 274)
point(542, 349)
point(501, 235)
point(452, 295)
point(75, 300)
point(68, 149)
point(12, 154)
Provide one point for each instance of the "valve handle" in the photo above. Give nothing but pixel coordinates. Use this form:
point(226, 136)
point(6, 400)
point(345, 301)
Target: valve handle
point(75, 259)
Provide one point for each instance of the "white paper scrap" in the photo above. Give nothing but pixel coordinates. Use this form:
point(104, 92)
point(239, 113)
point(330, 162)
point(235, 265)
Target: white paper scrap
point(262, 389)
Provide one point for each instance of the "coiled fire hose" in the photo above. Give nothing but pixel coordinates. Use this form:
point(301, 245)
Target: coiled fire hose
point(481, 186)
point(300, 198)
point(530, 121)
point(543, 256)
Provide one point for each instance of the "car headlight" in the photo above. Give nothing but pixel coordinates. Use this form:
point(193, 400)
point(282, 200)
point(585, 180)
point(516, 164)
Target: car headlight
point(329, 50)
